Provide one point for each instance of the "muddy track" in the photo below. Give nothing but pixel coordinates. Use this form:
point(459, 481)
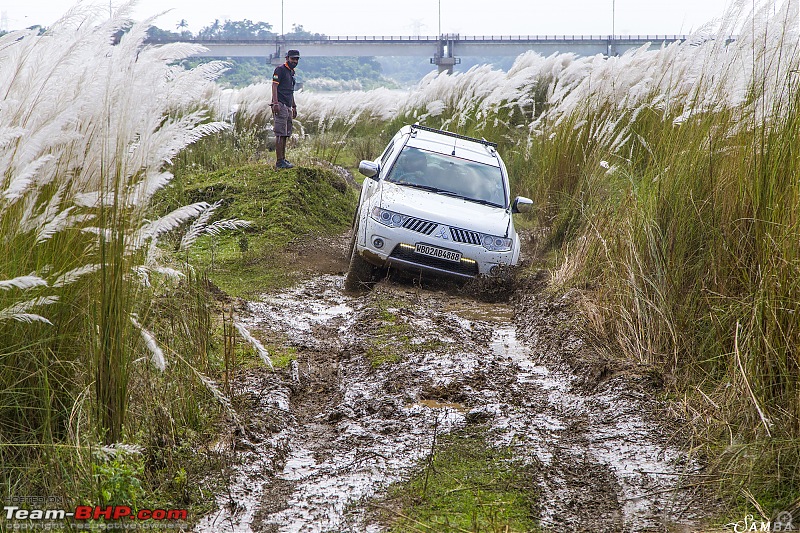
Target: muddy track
point(324, 437)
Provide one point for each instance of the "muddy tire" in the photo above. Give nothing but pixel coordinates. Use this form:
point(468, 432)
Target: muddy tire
point(360, 273)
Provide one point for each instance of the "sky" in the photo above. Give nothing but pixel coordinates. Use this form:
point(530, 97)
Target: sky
point(407, 17)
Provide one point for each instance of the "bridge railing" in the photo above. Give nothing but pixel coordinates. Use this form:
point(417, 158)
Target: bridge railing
point(572, 38)
point(436, 38)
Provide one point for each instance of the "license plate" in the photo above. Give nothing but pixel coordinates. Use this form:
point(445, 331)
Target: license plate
point(439, 253)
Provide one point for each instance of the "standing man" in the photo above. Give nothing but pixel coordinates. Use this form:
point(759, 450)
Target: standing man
point(283, 106)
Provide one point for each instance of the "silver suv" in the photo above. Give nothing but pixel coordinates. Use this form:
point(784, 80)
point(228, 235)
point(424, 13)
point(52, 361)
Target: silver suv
point(435, 202)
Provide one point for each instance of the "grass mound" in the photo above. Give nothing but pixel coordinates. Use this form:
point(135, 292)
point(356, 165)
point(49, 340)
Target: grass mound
point(285, 208)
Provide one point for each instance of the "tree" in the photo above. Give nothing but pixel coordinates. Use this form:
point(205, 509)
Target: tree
point(210, 32)
point(298, 32)
point(237, 29)
point(156, 34)
point(181, 25)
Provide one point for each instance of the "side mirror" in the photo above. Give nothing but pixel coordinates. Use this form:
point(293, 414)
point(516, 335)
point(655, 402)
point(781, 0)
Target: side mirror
point(521, 205)
point(369, 168)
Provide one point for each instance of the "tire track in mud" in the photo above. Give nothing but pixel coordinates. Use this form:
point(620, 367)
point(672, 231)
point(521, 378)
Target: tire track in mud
point(326, 436)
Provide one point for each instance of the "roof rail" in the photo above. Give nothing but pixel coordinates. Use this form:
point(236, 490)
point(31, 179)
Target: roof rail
point(456, 135)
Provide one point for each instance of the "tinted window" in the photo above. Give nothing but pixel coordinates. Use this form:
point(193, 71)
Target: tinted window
point(449, 175)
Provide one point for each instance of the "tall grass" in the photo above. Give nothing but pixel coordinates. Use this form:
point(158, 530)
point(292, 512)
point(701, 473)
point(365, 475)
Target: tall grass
point(89, 120)
point(668, 181)
point(692, 229)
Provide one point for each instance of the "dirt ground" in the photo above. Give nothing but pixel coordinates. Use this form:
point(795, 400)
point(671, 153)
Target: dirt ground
point(377, 374)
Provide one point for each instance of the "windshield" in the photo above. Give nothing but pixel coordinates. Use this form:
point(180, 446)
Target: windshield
point(449, 175)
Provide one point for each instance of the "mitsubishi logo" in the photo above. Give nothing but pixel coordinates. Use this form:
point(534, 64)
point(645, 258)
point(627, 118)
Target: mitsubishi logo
point(442, 233)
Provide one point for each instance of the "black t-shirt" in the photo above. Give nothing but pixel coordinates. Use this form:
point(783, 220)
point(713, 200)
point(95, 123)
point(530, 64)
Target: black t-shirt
point(284, 77)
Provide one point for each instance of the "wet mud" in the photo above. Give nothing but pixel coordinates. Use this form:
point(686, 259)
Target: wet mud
point(377, 375)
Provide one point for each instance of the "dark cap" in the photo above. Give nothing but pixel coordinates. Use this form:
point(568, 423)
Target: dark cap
point(293, 53)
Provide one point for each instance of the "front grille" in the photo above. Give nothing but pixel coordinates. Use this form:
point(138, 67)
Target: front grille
point(465, 267)
point(421, 226)
point(465, 236)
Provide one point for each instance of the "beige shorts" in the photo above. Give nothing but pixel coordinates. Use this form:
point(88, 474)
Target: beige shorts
point(283, 121)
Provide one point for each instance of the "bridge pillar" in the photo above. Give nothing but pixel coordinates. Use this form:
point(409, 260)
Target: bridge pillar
point(612, 47)
point(445, 59)
point(445, 64)
point(278, 57)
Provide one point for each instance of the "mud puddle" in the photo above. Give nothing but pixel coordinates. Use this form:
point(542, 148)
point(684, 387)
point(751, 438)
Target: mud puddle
point(378, 375)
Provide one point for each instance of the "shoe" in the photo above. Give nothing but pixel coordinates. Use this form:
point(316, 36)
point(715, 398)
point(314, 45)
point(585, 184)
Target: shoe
point(287, 164)
point(283, 164)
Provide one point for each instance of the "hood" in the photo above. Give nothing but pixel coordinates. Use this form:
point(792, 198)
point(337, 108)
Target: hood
point(444, 209)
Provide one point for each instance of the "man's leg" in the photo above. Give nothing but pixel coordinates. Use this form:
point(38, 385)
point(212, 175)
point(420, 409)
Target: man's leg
point(280, 149)
point(288, 134)
point(280, 153)
point(282, 132)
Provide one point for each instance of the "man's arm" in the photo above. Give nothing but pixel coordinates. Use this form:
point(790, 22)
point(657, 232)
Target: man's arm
point(275, 82)
point(274, 100)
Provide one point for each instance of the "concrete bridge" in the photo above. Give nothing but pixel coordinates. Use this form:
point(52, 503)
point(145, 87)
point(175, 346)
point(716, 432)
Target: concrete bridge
point(445, 51)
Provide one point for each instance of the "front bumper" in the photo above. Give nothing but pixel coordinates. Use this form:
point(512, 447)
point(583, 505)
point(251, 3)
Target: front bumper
point(398, 250)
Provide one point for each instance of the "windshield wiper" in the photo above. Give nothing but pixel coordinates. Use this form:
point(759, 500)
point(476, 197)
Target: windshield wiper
point(418, 186)
point(454, 194)
point(482, 202)
point(468, 199)
point(447, 193)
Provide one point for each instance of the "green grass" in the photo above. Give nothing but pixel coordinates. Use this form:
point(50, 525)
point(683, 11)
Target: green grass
point(169, 416)
point(282, 356)
point(689, 247)
point(286, 208)
point(49, 410)
point(466, 485)
point(391, 336)
point(82, 374)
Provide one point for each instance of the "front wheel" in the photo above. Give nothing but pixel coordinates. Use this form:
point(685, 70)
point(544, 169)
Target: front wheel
point(360, 272)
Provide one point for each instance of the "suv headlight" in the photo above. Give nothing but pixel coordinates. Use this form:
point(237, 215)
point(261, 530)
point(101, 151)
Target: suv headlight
point(496, 244)
point(387, 218)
